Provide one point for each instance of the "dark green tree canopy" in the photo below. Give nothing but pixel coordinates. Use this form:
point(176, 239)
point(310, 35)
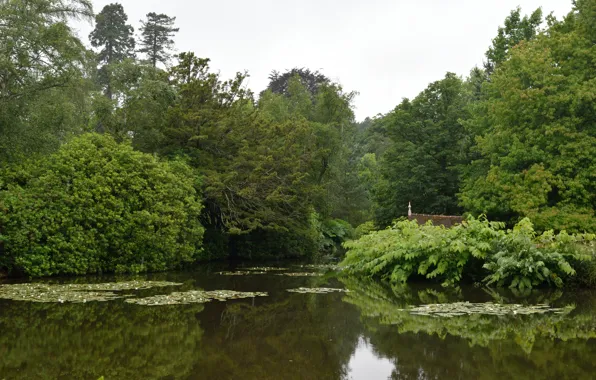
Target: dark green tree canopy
point(115, 38)
point(420, 164)
point(113, 35)
point(312, 80)
point(157, 34)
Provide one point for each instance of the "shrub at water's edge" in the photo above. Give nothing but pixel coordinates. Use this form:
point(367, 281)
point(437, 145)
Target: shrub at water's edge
point(518, 258)
point(99, 206)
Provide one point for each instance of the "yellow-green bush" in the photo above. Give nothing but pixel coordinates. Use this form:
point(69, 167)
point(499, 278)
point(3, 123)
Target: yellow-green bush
point(99, 206)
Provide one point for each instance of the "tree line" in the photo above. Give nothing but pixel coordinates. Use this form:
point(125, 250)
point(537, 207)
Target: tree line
point(287, 172)
point(514, 139)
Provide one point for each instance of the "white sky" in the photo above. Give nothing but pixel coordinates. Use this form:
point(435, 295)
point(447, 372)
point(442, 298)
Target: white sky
point(384, 49)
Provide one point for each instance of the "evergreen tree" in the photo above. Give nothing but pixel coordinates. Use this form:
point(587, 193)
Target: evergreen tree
point(312, 80)
point(156, 37)
point(115, 38)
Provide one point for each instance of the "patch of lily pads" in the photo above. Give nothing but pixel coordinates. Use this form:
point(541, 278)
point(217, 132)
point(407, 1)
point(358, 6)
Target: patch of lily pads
point(318, 290)
point(323, 267)
point(265, 269)
point(456, 309)
point(240, 273)
point(74, 293)
point(300, 274)
point(194, 296)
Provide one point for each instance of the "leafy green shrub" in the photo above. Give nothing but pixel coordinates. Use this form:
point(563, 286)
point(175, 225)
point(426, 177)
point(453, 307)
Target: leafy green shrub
point(408, 249)
point(99, 206)
point(524, 260)
point(516, 258)
point(334, 232)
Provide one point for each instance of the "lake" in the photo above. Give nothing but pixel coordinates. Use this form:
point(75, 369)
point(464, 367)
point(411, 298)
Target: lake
point(353, 330)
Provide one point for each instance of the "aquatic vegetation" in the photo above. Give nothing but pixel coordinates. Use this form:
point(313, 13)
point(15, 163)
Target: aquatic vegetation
point(317, 290)
point(300, 274)
point(116, 286)
point(194, 296)
point(489, 308)
point(53, 293)
point(75, 293)
point(325, 267)
point(240, 273)
point(264, 269)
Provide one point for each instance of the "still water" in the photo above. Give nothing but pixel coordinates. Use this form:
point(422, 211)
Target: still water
point(365, 333)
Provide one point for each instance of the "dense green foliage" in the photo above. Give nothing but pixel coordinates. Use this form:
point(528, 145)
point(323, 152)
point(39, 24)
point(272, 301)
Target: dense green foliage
point(536, 131)
point(421, 163)
point(515, 140)
point(98, 206)
point(517, 258)
point(515, 30)
point(43, 97)
point(290, 173)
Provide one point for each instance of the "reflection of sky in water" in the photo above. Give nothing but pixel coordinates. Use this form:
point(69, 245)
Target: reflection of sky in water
point(364, 364)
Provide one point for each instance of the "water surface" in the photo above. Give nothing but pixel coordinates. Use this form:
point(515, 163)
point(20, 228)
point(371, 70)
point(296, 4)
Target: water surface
point(363, 334)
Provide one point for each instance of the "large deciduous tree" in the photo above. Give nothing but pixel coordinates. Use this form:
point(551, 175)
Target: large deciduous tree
point(42, 75)
point(515, 30)
point(157, 34)
point(538, 146)
point(421, 162)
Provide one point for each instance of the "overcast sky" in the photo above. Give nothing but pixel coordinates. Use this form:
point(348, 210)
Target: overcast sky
point(384, 49)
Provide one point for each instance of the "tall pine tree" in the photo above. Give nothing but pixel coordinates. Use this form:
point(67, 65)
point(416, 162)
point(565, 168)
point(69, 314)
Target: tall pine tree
point(156, 37)
point(114, 37)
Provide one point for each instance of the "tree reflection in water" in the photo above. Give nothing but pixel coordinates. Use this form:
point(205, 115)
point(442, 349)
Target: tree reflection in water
point(541, 346)
point(363, 334)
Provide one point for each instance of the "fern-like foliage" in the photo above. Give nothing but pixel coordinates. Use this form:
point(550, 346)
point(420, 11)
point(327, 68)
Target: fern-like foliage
point(516, 258)
point(524, 260)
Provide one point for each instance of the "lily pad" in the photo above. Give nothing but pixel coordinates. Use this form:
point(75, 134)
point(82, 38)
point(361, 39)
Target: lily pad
point(466, 308)
point(194, 296)
point(300, 274)
point(75, 293)
point(52, 294)
point(318, 290)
